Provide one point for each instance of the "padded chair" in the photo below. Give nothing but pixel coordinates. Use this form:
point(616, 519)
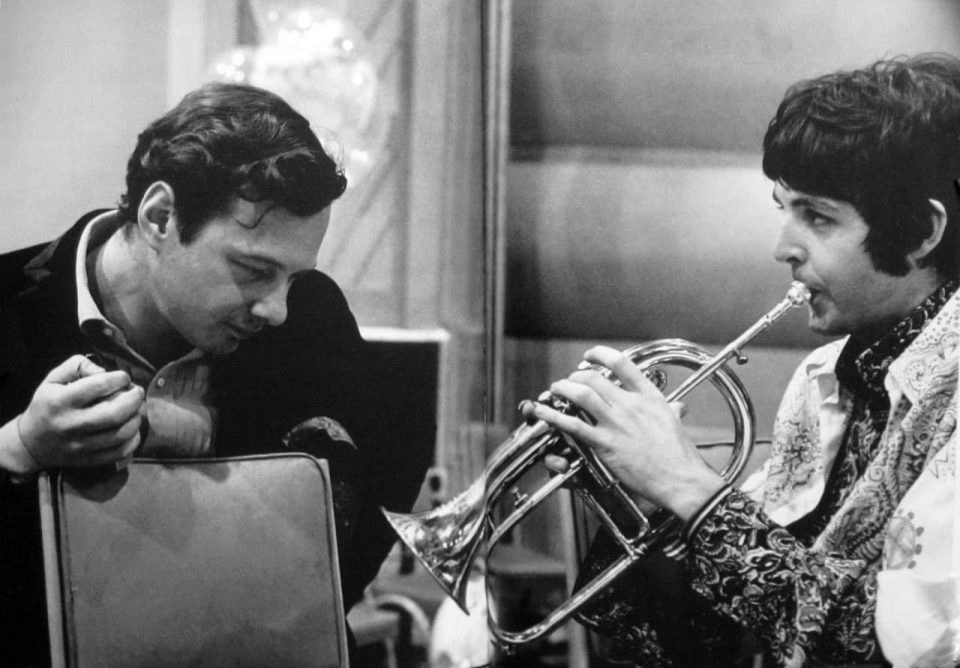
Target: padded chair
point(215, 562)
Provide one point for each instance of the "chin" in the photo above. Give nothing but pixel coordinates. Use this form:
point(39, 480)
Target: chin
point(824, 326)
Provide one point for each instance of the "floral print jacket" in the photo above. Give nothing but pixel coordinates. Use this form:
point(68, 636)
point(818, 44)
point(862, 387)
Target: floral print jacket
point(876, 583)
point(856, 592)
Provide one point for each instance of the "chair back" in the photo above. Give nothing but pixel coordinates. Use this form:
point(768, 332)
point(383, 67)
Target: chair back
point(211, 562)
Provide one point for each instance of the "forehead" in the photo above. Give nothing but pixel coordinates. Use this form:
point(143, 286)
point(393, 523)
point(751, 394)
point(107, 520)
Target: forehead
point(270, 233)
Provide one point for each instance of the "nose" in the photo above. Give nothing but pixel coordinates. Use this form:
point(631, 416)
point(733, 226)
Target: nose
point(272, 305)
point(789, 247)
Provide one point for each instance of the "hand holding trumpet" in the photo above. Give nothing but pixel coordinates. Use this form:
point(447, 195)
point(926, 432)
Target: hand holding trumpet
point(636, 433)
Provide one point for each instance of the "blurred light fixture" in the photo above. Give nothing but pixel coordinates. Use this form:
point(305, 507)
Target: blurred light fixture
point(319, 62)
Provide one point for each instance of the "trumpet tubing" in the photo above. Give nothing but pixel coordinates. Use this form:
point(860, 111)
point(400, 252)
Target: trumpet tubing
point(447, 539)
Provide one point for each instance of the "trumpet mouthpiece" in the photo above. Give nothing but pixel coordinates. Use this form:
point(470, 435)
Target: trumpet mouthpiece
point(798, 293)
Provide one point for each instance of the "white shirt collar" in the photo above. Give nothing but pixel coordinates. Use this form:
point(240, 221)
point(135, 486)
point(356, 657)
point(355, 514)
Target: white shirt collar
point(94, 234)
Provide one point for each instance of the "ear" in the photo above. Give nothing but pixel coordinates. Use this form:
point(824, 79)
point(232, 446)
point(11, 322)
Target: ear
point(156, 217)
point(938, 224)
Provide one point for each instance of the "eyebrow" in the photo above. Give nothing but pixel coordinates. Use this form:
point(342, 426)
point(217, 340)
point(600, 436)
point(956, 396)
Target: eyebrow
point(807, 200)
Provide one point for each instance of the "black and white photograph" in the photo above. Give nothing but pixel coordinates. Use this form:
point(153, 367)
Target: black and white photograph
point(479, 333)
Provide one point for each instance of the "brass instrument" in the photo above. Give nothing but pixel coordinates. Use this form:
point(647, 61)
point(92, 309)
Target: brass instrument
point(446, 539)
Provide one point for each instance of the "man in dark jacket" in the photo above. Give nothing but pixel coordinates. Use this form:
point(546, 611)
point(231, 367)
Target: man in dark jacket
point(191, 322)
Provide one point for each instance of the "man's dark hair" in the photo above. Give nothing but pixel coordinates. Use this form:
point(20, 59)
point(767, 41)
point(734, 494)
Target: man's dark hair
point(886, 139)
point(231, 140)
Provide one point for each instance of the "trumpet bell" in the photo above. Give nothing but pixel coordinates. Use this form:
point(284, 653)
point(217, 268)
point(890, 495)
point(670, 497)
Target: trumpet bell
point(446, 538)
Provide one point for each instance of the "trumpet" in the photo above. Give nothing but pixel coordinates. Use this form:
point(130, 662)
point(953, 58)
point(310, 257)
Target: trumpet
point(447, 539)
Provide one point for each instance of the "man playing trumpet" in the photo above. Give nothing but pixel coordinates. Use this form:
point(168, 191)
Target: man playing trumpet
point(843, 548)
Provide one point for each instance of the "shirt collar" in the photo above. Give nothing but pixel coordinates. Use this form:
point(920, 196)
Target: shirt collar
point(94, 234)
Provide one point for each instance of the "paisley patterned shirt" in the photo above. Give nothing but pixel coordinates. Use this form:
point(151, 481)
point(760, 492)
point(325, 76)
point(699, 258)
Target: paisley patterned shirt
point(795, 555)
point(809, 589)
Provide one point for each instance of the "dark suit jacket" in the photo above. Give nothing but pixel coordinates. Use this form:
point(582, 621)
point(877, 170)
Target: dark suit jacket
point(315, 364)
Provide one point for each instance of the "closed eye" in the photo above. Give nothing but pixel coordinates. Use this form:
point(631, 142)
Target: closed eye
point(248, 273)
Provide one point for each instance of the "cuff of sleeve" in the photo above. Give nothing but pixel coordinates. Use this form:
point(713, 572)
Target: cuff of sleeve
point(15, 459)
point(705, 511)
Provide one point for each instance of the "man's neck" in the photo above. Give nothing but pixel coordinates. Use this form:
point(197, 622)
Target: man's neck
point(118, 272)
point(921, 283)
point(862, 367)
